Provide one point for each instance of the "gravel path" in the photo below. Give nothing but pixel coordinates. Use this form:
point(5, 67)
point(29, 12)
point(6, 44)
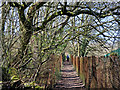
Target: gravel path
point(69, 78)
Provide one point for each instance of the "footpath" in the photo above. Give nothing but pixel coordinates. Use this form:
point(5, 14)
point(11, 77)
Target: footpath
point(69, 78)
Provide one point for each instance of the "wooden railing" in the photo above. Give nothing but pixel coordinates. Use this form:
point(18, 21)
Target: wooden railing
point(98, 72)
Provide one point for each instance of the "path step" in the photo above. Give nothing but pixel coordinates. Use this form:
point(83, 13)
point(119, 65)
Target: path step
point(69, 78)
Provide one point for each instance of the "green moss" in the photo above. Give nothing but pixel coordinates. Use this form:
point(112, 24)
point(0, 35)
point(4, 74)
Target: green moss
point(61, 12)
point(9, 74)
point(33, 85)
point(82, 77)
point(70, 12)
point(57, 74)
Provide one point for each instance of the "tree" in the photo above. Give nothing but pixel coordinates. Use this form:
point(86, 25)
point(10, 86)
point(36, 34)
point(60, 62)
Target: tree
point(26, 22)
point(37, 29)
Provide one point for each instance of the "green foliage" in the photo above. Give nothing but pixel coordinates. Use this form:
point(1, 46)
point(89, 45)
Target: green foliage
point(82, 77)
point(9, 74)
point(14, 77)
point(12, 71)
point(32, 85)
point(57, 74)
point(5, 75)
point(83, 47)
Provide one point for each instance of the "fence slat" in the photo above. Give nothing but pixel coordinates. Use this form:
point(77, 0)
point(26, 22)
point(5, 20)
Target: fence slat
point(90, 71)
point(71, 59)
point(77, 64)
point(74, 62)
point(86, 71)
point(94, 74)
point(61, 61)
point(81, 70)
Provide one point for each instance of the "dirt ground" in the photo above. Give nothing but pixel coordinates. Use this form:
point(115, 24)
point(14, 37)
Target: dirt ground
point(69, 77)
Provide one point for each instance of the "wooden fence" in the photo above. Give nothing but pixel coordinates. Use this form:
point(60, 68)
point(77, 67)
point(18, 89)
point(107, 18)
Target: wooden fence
point(50, 72)
point(98, 72)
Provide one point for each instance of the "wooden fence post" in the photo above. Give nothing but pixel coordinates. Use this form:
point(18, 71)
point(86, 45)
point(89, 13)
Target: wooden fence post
point(104, 72)
point(94, 74)
point(72, 59)
point(115, 68)
point(74, 62)
point(97, 70)
point(81, 70)
point(61, 61)
point(86, 72)
point(100, 75)
point(105, 68)
point(107, 79)
point(54, 77)
point(89, 70)
point(77, 65)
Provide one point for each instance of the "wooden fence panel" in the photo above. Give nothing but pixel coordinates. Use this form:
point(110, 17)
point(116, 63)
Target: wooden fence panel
point(54, 66)
point(98, 72)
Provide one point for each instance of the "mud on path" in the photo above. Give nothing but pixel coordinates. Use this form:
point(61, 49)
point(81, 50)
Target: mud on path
point(69, 77)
